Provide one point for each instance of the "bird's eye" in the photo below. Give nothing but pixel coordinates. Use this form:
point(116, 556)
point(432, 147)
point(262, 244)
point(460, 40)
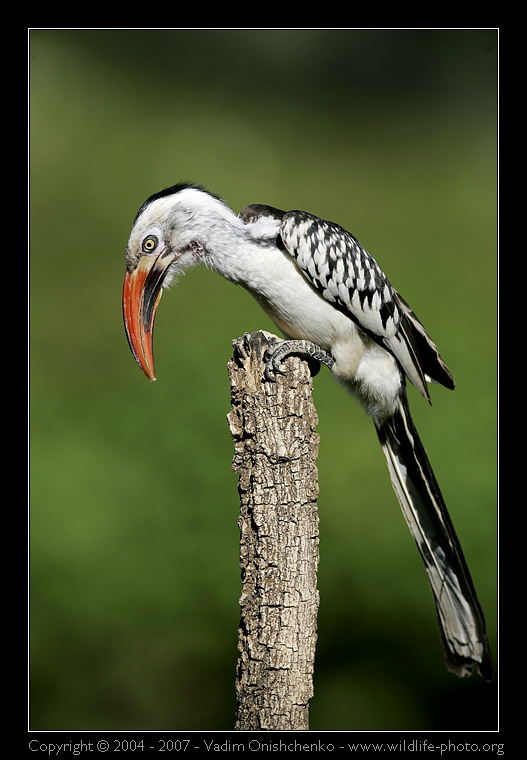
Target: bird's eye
point(149, 244)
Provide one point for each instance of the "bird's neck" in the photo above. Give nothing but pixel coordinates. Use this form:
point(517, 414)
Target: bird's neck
point(233, 248)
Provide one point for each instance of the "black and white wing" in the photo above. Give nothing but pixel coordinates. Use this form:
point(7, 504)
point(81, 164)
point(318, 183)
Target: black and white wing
point(350, 278)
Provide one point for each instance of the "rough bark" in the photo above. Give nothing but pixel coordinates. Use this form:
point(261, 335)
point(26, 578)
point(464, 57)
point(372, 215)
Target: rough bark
point(273, 425)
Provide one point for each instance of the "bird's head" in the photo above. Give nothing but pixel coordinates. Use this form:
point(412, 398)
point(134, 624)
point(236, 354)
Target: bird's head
point(169, 235)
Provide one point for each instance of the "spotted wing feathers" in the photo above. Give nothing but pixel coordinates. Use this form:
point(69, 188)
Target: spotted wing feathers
point(350, 278)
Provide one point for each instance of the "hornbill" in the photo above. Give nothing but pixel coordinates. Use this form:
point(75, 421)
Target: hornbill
point(333, 302)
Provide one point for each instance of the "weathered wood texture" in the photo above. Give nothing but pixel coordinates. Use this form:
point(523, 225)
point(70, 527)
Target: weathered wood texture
point(273, 425)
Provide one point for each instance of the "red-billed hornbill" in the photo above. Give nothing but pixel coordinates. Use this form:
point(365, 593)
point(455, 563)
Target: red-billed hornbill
point(333, 302)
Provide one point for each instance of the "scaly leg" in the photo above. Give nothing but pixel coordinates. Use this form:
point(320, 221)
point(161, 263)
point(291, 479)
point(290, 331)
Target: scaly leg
point(276, 354)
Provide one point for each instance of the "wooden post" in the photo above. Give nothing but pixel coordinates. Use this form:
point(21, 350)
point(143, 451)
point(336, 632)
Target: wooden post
point(273, 426)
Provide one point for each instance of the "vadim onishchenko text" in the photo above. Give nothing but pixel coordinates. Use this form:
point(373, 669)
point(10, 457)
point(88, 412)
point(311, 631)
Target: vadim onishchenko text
point(415, 745)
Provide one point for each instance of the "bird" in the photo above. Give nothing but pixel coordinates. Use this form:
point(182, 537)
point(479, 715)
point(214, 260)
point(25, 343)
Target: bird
point(334, 304)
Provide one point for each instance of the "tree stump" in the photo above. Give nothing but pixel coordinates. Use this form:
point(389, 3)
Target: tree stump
point(273, 425)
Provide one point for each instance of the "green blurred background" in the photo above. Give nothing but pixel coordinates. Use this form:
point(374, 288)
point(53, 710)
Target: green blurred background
point(134, 578)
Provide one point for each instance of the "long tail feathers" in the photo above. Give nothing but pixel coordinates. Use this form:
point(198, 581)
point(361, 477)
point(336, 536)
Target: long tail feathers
point(461, 621)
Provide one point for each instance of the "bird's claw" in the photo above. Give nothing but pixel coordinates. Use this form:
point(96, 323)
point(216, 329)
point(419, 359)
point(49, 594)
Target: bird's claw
point(272, 364)
point(275, 354)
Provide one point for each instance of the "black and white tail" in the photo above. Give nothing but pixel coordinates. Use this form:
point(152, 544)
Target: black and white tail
point(461, 621)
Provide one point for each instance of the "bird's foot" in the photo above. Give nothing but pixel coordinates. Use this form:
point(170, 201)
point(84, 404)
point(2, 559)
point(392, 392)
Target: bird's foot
point(275, 355)
point(242, 345)
point(253, 343)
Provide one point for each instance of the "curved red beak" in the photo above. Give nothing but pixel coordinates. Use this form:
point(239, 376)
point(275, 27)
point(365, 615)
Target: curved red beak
point(141, 295)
